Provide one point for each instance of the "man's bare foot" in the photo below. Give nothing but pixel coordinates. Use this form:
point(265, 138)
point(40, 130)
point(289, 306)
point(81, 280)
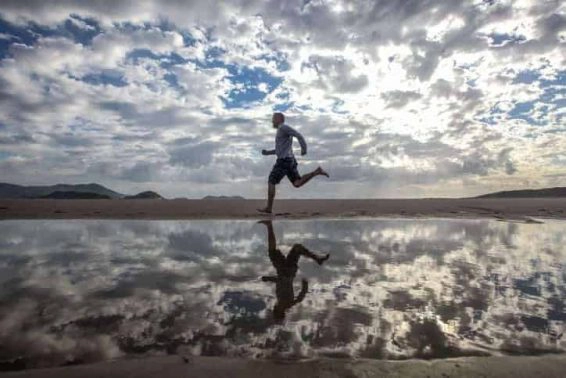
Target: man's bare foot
point(320, 260)
point(265, 222)
point(265, 210)
point(322, 172)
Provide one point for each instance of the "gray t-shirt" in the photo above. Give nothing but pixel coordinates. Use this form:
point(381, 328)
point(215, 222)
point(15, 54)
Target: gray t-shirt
point(284, 142)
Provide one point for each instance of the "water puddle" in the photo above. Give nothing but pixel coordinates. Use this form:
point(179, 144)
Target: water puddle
point(83, 291)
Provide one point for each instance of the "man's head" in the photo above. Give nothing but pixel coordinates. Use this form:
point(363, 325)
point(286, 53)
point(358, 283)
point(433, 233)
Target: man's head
point(277, 119)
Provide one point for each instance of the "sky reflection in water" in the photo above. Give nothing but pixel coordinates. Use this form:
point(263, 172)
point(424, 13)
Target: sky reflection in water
point(83, 291)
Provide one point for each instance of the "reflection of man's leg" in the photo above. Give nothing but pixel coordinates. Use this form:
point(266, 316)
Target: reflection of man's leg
point(275, 255)
point(299, 250)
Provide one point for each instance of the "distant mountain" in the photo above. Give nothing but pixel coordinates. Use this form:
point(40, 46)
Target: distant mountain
point(222, 197)
point(20, 191)
point(528, 193)
point(145, 195)
point(75, 195)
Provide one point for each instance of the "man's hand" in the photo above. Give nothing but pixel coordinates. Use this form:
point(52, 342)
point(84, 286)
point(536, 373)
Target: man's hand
point(303, 152)
point(264, 152)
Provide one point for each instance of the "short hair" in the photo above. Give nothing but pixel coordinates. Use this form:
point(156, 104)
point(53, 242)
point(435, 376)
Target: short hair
point(278, 114)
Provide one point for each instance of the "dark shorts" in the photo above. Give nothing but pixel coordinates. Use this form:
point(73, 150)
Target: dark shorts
point(285, 265)
point(284, 167)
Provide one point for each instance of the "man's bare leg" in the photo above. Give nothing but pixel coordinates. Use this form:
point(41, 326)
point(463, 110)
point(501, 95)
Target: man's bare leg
point(303, 251)
point(306, 178)
point(271, 246)
point(271, 241)
point(270, 197)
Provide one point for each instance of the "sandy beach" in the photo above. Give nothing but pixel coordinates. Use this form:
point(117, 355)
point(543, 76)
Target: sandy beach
point(175, 366)
point(514, 209)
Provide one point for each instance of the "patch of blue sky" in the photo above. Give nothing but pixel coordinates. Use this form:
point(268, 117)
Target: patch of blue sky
point(281, 62)
point(251, 84)
point(560, 79)
point(5, 155)
point(550, 94)
point(552, 97)
point(304, 108)
point(523, 111)
point(502, 39)
point(492, 117)
point(248, 82)
point(554, 90)
point(106, 77)
point(161, 24)
point(283, 102)
point(336, 107)
point(79, 29)
point(526, 77)
point(212, 58)
point(14, 34)
point(472, 82)
point(283, 107)
point(166, 60)
point(128, 26)
point(171, 78)
point(166, 25)
point(490, 120)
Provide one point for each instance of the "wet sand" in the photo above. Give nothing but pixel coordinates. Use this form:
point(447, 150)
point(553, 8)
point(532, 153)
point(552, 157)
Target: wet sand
point(174, 366)
point(520, 209)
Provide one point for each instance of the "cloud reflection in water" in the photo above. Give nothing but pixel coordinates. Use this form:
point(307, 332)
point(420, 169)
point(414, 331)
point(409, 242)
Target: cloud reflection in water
point(82, 291)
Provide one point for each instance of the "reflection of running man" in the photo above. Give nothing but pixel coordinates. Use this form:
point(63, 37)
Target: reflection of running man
point(286, 268)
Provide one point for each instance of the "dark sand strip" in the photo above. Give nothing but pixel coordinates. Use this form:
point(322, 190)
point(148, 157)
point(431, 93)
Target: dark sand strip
point(173, 366)
point(520, 209)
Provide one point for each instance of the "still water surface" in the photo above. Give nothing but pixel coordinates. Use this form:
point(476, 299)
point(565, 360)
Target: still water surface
point(88, 290)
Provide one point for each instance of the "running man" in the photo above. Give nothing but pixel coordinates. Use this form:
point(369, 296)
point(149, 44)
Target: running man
point(286, 267)
point(286, 165)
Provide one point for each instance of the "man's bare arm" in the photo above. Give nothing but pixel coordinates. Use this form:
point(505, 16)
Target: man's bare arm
point(304, 290)
point(268, 152)
point(299, 137)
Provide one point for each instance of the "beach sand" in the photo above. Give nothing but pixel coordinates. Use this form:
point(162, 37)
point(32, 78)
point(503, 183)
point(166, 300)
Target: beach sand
point(174, 366)
point(520, 209)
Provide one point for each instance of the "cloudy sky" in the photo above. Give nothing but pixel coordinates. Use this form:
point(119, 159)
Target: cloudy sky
point(395, 98)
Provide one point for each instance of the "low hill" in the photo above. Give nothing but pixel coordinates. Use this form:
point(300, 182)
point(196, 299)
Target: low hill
point(75, 195)
point(528, 193)
point(145, 195)
point(20, 191)
point(222, 197)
